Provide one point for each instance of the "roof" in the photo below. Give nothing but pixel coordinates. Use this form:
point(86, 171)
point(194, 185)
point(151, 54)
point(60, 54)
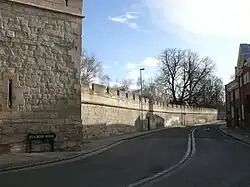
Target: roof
point(232, 85)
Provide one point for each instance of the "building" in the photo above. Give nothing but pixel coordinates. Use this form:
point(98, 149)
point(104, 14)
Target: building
point(238, 91)
point(40, 46)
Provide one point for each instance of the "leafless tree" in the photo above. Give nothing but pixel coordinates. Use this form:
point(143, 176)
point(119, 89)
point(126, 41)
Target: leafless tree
point(211, 93)
point(91, 69)
point(123, 85)
point(105, 79)
point(151, 89)
point(180, 72)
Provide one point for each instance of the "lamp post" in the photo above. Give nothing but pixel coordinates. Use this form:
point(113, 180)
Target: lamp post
point(141, 110)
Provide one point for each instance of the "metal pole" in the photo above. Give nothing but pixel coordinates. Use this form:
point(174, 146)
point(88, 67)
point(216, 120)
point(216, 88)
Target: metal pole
point(141, 116)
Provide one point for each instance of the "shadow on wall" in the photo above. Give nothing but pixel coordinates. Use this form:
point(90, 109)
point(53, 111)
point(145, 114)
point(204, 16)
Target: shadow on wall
point(149, 122)
point(94, 131)
point(221, 115)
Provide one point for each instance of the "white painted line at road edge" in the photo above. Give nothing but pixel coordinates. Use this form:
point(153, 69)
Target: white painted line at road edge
point(92, 153)
point(165, 173)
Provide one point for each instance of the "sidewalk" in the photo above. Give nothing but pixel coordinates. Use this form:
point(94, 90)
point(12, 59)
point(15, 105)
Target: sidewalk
point(237, 133)
point(21, 160)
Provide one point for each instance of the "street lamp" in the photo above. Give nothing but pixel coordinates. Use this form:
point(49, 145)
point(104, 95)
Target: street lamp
point(141, 113)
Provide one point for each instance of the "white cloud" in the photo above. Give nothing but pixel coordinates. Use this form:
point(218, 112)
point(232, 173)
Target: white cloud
point(130, 66)
point(150, 62)
point(203, 17)
point(133, 69)
point(118, 19)
point(128, 19)
point(105, 66)
point(133, 25)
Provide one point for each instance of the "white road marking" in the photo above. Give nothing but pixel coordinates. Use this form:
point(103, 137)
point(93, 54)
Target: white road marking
point(191, 149)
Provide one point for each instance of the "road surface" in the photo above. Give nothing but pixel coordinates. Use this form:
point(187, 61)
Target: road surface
point(218, 161)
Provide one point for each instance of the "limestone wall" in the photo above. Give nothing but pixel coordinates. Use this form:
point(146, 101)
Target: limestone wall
point(39, 73)
point(107, 112)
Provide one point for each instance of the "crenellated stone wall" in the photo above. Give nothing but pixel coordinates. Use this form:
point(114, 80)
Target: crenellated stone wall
point(40, 45)
point(107, 112)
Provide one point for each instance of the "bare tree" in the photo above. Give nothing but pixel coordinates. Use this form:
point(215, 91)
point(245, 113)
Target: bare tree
point(91, 70)
point(105, 79)
point(151, 89)
point(180, 72)
point(123, 85)
point(211, 93)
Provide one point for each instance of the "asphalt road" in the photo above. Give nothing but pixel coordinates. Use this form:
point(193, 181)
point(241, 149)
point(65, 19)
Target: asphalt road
point(117, 167)
point(218, 162)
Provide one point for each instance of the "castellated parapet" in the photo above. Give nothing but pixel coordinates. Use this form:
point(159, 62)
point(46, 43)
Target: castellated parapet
point(40, 46)
point(107, 111)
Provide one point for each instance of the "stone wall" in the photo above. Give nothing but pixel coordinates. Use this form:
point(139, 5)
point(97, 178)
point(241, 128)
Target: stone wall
point(107, 112)
point(40, 45)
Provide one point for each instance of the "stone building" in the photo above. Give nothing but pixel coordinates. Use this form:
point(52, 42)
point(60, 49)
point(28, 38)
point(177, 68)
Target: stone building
point(40, 45)
point(238, 91)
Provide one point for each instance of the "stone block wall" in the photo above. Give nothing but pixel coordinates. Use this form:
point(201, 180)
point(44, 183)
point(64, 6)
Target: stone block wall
point(107, 112)
point(40, 46)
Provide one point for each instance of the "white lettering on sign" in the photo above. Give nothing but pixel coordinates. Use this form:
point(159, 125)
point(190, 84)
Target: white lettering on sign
point(41, 136)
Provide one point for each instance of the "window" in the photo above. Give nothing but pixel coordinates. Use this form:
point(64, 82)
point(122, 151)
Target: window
point(247, 104)
point(237, 94)
point(232, 96)
point(242, 110)
point(246, 77)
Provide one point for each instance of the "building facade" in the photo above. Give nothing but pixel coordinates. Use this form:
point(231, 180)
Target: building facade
point(40, 48)
point(238, 92)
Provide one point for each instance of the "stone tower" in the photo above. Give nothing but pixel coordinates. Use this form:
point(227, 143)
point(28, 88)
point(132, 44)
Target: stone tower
point(40, 46)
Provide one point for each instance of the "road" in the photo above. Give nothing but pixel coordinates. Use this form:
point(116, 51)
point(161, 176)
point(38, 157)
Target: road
point(218, 161)
point(119, 166)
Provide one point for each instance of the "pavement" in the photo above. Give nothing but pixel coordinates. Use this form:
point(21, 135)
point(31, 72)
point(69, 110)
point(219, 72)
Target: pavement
point(237, 133)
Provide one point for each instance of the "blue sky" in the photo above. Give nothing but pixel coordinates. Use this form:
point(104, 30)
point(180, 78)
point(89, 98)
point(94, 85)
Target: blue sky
point(129, 34)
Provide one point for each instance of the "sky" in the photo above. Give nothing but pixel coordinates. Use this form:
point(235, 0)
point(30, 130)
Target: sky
point(127, 35)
